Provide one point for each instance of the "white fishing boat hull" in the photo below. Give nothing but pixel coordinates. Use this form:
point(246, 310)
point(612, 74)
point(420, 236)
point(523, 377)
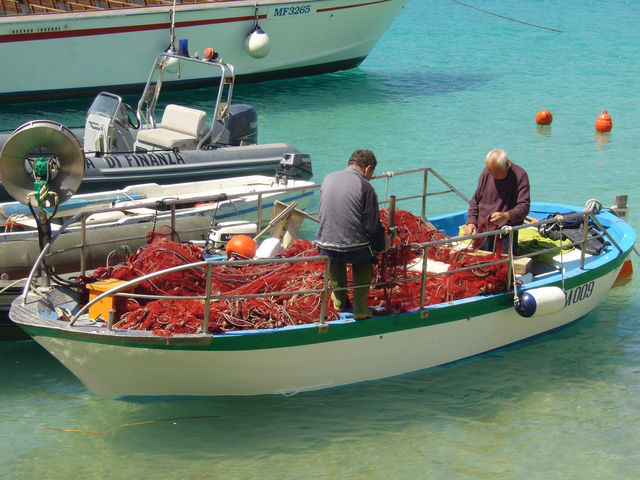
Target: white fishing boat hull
point(54, 55)
point(117, 369)
point(314, 356)
point(20, 249)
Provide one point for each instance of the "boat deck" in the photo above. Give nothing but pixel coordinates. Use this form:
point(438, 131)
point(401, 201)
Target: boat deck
point(29, 7)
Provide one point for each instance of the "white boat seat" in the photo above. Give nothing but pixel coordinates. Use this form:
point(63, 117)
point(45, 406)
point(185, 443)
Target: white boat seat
point(181, 127)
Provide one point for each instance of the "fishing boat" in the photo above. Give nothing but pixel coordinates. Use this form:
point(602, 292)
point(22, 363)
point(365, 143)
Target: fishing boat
point(62, 48)
point(116, 224)
point(435, 299)
point(122, 146)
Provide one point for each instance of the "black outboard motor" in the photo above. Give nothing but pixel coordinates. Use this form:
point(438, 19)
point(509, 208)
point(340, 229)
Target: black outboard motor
point(242, 127)
point(294, 165)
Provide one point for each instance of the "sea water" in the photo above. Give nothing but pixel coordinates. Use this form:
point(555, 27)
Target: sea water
point(445, 84)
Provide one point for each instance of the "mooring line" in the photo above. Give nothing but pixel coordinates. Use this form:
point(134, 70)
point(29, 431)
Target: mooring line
point(144, 422)
point(506, 18)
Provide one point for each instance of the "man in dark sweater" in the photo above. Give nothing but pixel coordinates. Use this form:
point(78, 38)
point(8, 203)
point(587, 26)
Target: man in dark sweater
point(350, 230)
point(501, 198)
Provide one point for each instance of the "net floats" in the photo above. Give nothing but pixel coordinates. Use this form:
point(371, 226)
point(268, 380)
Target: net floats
point(242, 246)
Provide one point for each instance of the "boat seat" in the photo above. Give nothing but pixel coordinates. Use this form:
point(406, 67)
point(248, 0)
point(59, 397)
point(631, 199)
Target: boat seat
point(181, 127)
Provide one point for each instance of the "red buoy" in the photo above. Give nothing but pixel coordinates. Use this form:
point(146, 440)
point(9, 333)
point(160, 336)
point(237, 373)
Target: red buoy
point(544, 117)
point(603, 122)
point(242, 246)
point(210, 53)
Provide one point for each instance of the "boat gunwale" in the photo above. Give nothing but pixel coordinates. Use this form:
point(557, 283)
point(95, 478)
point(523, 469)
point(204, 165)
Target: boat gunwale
point(342, 328)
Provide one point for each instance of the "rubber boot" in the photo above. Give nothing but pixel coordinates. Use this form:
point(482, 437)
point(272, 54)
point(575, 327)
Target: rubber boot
point(362, 274)
point(338, 278)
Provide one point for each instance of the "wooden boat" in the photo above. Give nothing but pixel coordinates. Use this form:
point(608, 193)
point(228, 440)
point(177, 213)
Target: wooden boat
point(546, 289)
point(124, 147)
point(62, 48)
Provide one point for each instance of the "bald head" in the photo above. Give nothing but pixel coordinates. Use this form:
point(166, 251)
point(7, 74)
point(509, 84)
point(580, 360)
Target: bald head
point(498, 164)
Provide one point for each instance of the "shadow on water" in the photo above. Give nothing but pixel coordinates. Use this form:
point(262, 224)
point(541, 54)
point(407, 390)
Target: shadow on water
point(351, 87)
point(476, 390)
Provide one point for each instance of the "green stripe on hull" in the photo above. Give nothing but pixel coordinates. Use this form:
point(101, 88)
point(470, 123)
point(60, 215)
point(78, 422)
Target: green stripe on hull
point(336, 331)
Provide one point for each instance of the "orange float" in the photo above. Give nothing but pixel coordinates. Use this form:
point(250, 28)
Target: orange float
point(603, 122)
point(544, 117)
point(242, 246)
point(210, 53)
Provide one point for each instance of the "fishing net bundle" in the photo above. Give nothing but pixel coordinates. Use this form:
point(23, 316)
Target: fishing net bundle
point(173, 316)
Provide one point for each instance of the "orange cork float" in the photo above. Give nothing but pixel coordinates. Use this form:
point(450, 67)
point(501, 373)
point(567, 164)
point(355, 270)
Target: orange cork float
point(242, 246)
point(603, 122)
point(544, 117)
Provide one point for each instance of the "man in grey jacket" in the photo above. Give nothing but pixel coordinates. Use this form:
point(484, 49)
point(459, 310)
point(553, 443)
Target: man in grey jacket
point(350, 230)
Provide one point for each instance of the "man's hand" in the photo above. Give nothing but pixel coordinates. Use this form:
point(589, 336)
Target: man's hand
point(499, 218)
point(469, 229)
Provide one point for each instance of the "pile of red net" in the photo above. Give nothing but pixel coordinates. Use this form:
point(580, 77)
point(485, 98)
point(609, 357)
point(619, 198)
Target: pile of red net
point(172, 316)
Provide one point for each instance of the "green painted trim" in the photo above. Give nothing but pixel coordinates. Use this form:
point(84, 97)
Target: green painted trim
point(311, 334)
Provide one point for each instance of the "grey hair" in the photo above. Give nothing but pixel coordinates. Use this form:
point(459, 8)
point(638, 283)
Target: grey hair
point(499, 157)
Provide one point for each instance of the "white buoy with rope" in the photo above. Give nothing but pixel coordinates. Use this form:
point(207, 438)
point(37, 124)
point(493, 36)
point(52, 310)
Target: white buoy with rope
point(257, 43)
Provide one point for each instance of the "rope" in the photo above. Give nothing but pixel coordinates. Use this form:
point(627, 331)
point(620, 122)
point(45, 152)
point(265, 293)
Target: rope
point(560, 220)
point(506, 18)
point(516, 299)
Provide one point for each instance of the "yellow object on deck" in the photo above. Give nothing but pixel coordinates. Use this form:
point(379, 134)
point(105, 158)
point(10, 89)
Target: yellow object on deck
point(101, 308)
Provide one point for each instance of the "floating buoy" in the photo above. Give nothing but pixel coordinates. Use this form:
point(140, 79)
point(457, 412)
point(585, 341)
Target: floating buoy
point(257, 43)
point(242, 246)
point(540, 301)
point(544, 117)
point(603, 122)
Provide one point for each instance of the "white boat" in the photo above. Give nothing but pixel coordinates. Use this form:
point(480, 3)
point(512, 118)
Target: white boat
point(122, 146)
point(189, 209)
point(419, 323)
point(62, 48)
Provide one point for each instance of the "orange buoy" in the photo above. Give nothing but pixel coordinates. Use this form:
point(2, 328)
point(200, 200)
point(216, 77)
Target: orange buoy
point(544, 117)
point(242, 246)
point(603, 122)
point(210, 53)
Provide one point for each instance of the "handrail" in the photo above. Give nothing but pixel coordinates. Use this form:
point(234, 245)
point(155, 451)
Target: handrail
point(325, 290)
point(208, 297)
point(171, 215)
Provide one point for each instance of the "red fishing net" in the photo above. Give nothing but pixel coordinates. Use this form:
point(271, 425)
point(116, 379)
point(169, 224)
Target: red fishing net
point(173, 316)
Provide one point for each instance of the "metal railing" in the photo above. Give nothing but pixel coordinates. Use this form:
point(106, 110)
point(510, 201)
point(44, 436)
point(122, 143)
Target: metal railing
point(324, 292)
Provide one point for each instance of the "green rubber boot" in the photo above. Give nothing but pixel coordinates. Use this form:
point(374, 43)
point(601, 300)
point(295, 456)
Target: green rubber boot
point(362, 274)
point(338, 278)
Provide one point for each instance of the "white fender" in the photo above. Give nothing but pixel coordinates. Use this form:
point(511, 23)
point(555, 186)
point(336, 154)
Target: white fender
point(257, 43)
point(541, 301)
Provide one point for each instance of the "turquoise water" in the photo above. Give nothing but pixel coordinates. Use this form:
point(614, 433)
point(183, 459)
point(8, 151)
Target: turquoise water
point(444, 85)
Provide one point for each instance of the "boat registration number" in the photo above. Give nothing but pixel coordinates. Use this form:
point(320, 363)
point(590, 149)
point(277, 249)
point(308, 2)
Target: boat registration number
point(578, 294)
point(297, 10)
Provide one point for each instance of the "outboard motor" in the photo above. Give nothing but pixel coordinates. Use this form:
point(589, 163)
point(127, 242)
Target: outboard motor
point(242, 127)
point(294, 165)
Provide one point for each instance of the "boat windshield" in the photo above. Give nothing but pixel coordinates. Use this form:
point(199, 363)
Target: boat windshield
point(105, 104)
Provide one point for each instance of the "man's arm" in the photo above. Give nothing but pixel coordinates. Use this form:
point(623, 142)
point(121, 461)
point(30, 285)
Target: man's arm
point(518, 213)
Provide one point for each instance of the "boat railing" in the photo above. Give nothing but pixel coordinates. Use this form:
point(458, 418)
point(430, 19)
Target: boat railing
point(148, 101)
point(171, 206)
point(509, 258)
point(123, 289)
